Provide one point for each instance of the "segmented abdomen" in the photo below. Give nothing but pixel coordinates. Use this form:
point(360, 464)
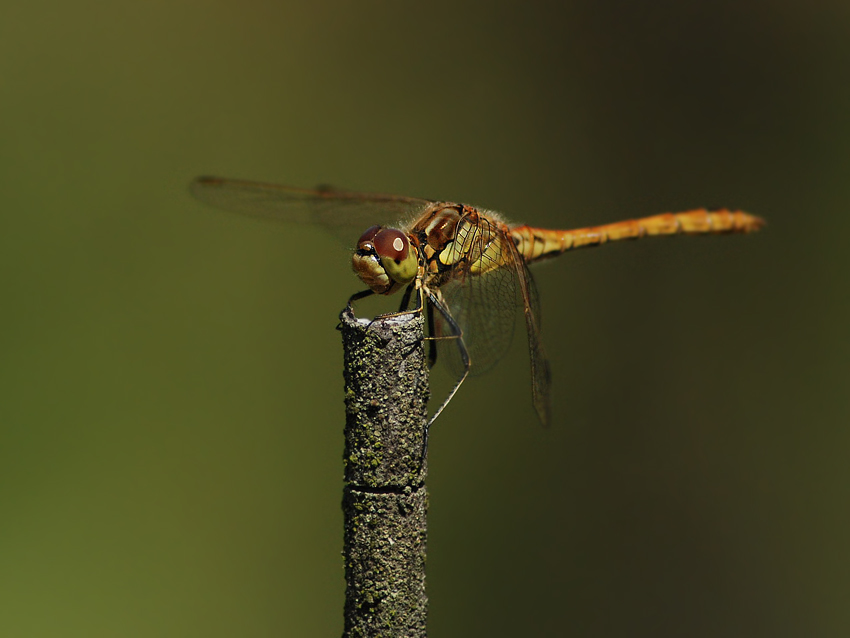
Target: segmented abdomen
point(538, 243)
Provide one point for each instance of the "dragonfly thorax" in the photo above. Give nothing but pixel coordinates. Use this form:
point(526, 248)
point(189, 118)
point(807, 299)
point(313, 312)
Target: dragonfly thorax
point(384, 260)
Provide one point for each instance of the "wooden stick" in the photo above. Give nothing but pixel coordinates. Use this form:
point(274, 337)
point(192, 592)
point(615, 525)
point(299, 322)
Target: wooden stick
point(384, 499)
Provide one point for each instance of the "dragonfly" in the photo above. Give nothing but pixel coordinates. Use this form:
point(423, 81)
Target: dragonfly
point(466, 267)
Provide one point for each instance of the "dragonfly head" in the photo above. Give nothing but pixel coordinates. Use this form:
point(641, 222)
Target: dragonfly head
point(384, 260)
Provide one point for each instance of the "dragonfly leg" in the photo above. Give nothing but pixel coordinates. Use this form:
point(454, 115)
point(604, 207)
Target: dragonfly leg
point(357, 296)
point(432, 343)
point(405, 299)
point(464, 356)
point(420, 294)
point(367, 293)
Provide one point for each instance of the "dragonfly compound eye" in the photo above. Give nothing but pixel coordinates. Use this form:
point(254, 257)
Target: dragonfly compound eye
point(391, 243)
point(393, 247)
point(365, 241)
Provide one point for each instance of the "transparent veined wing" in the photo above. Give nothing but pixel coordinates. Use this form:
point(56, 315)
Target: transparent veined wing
point(345, 214)
point(484, 298)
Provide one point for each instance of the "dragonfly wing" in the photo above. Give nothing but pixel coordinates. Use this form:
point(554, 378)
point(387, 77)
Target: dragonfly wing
point(345, 214)
point(483, 305)
point(541, 377)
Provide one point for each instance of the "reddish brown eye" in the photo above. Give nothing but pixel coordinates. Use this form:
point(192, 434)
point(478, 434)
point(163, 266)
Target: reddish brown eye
point(368, 236)
point(391, 243)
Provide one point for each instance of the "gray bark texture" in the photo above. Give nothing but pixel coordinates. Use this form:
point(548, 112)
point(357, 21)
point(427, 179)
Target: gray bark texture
point(385, 502)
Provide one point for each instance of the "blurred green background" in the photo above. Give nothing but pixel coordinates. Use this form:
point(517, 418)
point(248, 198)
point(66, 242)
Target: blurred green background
point(171, 401)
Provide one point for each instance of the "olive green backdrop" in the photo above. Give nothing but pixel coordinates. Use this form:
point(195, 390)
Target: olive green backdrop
point(171, 400)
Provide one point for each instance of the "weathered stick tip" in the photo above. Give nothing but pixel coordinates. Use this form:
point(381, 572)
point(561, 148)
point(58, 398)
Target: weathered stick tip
point(385, 501)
